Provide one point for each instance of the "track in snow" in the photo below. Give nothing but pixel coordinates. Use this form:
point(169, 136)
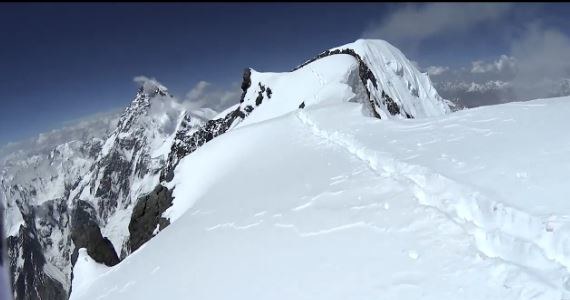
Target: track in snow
point(500, 232)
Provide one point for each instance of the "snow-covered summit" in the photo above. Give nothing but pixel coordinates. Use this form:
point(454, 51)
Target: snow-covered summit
point(372, 72)
point(397, 77)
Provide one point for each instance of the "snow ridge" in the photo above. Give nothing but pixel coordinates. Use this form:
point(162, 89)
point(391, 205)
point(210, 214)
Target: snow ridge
point(394, 87)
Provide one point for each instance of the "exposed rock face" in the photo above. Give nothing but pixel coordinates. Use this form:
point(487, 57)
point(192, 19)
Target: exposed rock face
point(390, 104)
point(85, 233)
point(97, 176)
point(246, 83)
point(187, 141)
point(125, 157)
point(147, 219)
point(130, 161)
point(36, 190)
point(28, 267)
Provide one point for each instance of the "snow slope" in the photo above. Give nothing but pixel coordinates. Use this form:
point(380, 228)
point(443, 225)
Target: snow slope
point(323, 203)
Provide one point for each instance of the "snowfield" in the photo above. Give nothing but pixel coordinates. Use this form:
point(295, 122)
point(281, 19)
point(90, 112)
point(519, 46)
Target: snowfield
point(325, 203)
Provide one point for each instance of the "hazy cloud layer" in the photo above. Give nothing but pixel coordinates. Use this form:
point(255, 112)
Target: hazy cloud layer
point(93, 126)
point(537, 64)
point(414, 23)
point(543, 56)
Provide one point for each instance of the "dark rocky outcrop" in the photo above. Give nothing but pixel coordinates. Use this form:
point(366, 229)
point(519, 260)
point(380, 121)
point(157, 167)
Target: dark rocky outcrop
point(245, 83)
point(302, 105)
point(259, 98)
point(147, 216)
point(186, 142)
point(393, 108)
point(85, 233)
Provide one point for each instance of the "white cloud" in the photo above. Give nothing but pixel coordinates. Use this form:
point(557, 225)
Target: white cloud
point(205, 94)
point(504, 63)
point(148, 84)
point(198, 91)
point(436, 70)
point(537, 66)
point(415, 23)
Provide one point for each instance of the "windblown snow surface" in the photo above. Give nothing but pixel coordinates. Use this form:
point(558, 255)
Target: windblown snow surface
point(325, 202)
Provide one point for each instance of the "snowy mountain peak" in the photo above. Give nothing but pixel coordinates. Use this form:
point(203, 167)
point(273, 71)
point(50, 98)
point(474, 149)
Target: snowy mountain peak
point(150, 86)
point(372, 72)
point(147, 95)
point(400, 88)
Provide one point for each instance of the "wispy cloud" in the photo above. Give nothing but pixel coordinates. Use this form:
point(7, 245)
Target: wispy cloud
point(412, 24)
point(504, 63)
point(436, 70)
point(148, 84)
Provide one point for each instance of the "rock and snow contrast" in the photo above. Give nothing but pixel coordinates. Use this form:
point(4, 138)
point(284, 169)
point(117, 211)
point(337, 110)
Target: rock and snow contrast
point(348, 177)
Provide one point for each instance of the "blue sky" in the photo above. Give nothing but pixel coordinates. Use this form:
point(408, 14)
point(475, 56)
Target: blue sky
point(61, 62)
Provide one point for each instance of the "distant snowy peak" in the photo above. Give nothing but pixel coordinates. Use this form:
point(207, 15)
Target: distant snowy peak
point(130, 161)
point(140, 105)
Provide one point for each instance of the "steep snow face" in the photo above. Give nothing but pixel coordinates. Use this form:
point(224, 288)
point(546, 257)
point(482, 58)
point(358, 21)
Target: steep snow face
point(85, 271)
point(396, 77)
point(466, 206)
